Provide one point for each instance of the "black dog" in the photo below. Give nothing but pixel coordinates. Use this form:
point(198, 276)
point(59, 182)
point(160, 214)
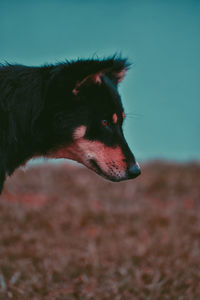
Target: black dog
point(69, 110)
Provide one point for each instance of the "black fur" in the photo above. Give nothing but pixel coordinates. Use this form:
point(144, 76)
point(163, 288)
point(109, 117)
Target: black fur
point(38, 110)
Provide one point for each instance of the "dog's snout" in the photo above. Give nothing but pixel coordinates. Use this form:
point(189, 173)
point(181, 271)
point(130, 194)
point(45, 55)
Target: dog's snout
point(134, 170)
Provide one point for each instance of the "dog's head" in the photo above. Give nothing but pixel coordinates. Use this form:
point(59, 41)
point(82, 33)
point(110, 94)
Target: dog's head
point(94, 117)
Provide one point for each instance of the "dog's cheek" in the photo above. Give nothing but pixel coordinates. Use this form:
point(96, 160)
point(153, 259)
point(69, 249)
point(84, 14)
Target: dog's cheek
point(71, 151)
point(108, 158)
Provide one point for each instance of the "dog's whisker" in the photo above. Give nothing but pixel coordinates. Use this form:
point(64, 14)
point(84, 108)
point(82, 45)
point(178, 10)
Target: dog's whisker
point(133, 115)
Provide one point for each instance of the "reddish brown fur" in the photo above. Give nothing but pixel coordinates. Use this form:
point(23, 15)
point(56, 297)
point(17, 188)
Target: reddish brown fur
point(115, 118)
point(111, 160)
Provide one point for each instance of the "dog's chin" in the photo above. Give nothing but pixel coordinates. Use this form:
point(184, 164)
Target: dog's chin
point(93, 165)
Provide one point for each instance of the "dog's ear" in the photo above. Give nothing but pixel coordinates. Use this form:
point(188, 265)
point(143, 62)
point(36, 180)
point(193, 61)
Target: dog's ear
point(93, 78)
point(118, 71)
point(93, 70)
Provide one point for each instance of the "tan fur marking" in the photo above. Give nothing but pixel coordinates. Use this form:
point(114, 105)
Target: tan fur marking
point(115, 118)
point(79, 132)
point(110, 160)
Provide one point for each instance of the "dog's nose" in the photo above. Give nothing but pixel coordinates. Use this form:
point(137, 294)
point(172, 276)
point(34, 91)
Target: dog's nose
point(134, 170)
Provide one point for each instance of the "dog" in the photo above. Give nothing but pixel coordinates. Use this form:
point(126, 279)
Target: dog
point(67, 110)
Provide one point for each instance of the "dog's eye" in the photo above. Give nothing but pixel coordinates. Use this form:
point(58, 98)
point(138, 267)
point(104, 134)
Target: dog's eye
point(104, 122)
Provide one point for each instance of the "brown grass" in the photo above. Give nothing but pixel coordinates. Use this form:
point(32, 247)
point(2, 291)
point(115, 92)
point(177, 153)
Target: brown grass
point(67, 234)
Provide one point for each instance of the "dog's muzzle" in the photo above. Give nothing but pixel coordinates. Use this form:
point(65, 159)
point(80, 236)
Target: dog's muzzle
point(115, 174)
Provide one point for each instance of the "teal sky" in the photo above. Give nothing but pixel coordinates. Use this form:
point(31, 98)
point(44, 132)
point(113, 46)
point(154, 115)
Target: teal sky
point(161, 92)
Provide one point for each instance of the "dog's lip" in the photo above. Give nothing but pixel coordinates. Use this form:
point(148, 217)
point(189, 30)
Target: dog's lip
point(95, 166)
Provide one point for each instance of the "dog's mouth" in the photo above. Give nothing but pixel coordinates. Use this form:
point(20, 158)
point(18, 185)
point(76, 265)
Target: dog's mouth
point(95, 167)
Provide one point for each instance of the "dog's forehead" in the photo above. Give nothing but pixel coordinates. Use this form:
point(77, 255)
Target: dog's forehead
point(110, 100)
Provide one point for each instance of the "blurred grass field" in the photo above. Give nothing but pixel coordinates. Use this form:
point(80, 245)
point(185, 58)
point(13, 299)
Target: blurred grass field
point(67, 234)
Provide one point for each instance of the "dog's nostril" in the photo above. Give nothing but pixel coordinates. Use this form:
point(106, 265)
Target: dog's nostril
point(134, 170)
